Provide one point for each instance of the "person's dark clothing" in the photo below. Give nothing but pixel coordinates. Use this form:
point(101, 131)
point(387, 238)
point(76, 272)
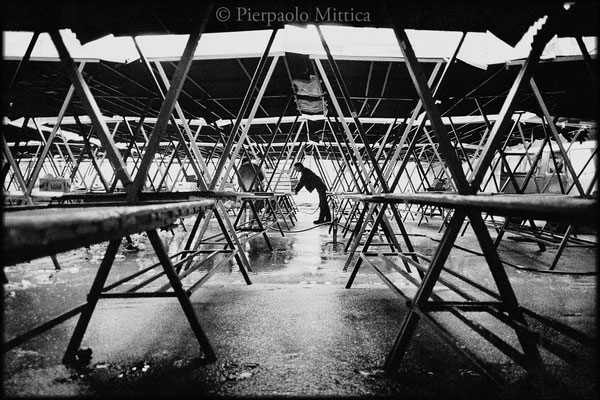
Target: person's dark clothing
point(324, 214)
point(247, 172)
point(246, 175)
point(311, 181)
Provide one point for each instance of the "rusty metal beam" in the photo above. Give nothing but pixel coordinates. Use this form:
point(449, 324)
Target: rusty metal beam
point(536, 206)
point(34, 233)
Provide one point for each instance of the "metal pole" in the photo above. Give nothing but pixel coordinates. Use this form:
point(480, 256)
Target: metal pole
point(168, 104)
point(92, 109)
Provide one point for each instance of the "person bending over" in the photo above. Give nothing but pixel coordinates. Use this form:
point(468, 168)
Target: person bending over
point(312, 181)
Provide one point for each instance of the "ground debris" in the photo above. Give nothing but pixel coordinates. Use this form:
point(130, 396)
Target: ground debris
point(232, 371)
point(131, 371)
point(468, 372)
point(370, 372)
point(189, 362)
point(181, 363)
point(71, 378)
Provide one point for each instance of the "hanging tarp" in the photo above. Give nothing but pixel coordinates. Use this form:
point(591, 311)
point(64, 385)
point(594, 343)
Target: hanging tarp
point(310, 96)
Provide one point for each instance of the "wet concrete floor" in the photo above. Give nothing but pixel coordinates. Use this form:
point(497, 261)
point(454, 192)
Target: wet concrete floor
point(296, 331)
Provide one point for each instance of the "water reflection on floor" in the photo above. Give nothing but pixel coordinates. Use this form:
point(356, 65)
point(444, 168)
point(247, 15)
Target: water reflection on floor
point(296, 330)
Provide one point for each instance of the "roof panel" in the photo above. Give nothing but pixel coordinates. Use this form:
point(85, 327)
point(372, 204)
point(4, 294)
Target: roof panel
point(91, 20)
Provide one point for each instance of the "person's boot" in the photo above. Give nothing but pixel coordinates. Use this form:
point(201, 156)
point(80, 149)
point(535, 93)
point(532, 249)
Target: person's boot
point(320, 220)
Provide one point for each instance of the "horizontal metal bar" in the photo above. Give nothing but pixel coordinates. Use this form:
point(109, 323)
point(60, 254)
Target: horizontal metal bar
point(213, 250)
point(138, 273)
point(497, 309)
point(149, 196)
point(450, 339)
point(246, 236)
point(202, 280)
point(162, 273)
point(548, 238)
point(455, 307)
point(399, 254)
point(146, 282)
point(130, 277)
point(538, 206)
point(137, 295)
point(532, 237)
point(207, 238)
point(537, 337)
point(562, 328)
point(422, 269)
point(37, 233)
point(452, 286)
point(472, 283)
point(484, 332)
point(483, 306)
point(188, 271)
point(395, 266)
point(385, 279)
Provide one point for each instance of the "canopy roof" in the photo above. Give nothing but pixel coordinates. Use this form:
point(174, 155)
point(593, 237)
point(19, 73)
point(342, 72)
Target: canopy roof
point(374, 44)
point(498, 38)
point(90, 20)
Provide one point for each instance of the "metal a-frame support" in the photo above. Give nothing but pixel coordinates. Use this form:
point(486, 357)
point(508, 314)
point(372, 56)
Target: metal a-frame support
point(133, 141)
point(98, 165)
point(92, 110)
point(193, 153)
point(5, 107)
point(133, 187)
point(74, 162)
point(532, 359)
point(387, 162)
point(263, 160)
point(51, 160)
point(392, 160)
point(41, 159)
point(386, 226)
point(368, 212)
point(273, 201)
point(501, 160)
point(214, 183)
point(16, 171)
point(566, 236)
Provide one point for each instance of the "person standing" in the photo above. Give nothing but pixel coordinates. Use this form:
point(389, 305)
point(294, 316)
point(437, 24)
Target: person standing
point(312, 181)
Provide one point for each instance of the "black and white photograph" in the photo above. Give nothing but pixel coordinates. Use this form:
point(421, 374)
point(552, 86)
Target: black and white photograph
point(320, 199)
